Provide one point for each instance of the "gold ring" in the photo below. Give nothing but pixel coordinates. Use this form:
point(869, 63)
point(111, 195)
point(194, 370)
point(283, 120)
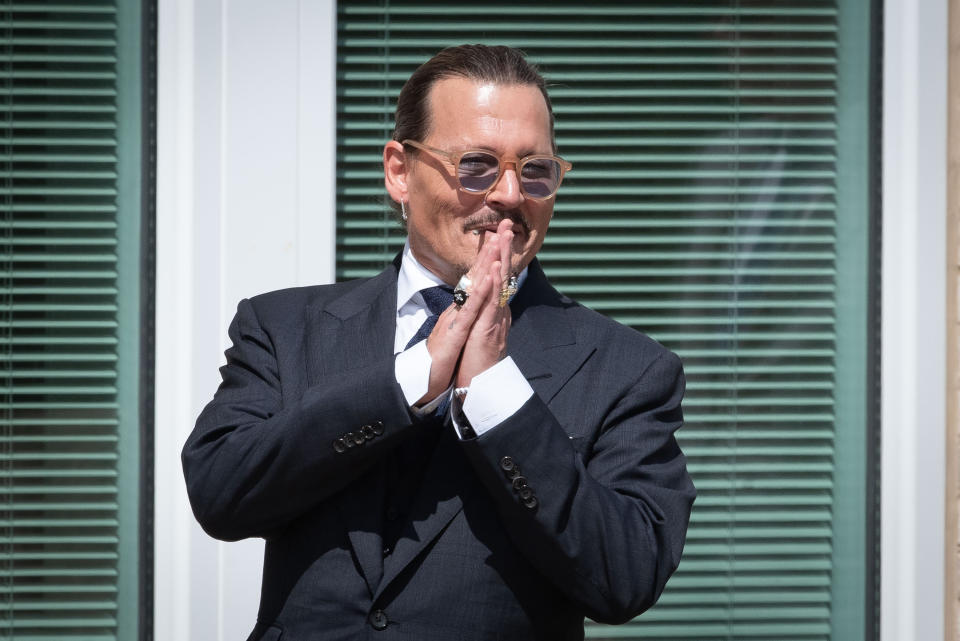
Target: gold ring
point(508, 291)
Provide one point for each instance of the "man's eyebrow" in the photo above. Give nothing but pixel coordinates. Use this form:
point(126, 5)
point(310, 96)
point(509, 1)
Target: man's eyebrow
point(497, 152)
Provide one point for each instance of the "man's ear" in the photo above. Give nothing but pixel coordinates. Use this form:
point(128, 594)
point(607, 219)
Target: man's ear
point(395, 171)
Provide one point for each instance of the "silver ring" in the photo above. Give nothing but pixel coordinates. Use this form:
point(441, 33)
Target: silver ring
point(460, 293)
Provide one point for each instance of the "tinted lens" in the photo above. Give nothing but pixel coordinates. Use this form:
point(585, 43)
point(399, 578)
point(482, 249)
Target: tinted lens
point(540, 177)
point(477, 171)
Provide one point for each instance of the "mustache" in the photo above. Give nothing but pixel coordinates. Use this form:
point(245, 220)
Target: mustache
point(494, 217)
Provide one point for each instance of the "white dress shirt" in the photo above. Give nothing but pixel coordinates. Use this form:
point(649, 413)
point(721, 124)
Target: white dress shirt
point(494, 395)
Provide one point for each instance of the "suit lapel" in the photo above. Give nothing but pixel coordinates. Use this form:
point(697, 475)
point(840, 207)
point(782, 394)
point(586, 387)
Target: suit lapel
point(542, 341)
point(354, 331)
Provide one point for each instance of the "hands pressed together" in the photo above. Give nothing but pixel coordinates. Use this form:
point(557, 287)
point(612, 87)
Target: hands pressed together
point(470, 339)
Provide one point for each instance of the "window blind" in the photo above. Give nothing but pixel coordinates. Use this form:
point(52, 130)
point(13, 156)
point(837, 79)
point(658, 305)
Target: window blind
point(718, 202)
point(69, 319)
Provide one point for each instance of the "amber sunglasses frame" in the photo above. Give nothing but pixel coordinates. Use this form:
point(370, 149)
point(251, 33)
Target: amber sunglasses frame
point(454, 159)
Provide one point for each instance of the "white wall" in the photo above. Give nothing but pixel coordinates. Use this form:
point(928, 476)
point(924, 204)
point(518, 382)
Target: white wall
point(246, 166)
point(246, 175)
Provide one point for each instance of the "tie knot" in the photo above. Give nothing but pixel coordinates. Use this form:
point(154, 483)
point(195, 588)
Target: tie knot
point(437, 298)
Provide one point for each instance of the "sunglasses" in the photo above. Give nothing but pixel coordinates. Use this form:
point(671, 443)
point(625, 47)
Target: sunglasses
point(478, 171)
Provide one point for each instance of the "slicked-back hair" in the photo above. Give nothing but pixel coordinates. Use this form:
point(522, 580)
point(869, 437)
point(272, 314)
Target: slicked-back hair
point(498, 65)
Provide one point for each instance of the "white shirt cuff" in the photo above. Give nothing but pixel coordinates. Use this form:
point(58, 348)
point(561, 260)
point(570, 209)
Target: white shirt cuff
point(495, 395)
point(412, 369)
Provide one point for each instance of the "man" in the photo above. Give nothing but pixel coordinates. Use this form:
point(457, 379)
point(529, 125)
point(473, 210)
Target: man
point(503, 478)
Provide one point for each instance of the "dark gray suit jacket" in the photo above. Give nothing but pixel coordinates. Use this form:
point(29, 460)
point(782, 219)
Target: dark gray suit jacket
point(312, 368)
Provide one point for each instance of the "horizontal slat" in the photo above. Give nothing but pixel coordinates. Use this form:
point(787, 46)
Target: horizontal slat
point(739, 598)
point(64, 622)
point(61, 257)
point(748, 566)
point(693, 417)
point(57, 291)
point(72, 439)
point(105, 473)
point(53, 457)
point(101, 108)
point(401, 40)
point(60, 157)
point(58, 340)
point(51, 606)
point(665, 109)
point(50, 25)
point(54, 207)
point(74, 420)
point(66, 357)
point(54, 140)
point(52, 522)
point(76, 7)
point(83, 635)
point(59, 489)
point(570, 208)
point(685, 156)
point(28, 41)
point(587, 240)
point(23, 556)
point(603, 75)
point(24, 59)
point(58, 224)
point(86, 126)
point(22, 75)
point(676, 256)
point(52, 272)
point(551, 59)
point(550, 24)
point(50, 587)
point(517, 12)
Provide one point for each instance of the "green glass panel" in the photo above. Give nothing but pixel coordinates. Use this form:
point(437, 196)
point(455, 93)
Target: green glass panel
point(70, 208)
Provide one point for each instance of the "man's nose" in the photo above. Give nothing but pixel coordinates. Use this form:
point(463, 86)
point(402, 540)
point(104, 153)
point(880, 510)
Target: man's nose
point(506, 193)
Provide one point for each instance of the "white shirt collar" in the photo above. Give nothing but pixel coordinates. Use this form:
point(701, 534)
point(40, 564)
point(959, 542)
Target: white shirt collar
point(413, 277)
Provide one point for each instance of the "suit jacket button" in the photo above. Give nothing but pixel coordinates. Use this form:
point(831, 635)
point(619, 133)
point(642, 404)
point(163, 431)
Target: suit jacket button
point(378, 619)
point(339, 446)
point(377, 427)
point(507, 464)
point(519, 482)
point(348, 439)
point(367, 432)
point(531, 503)
point(525, 494)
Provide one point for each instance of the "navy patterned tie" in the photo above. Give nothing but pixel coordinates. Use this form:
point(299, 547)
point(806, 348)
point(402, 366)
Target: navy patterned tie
point(438, 299)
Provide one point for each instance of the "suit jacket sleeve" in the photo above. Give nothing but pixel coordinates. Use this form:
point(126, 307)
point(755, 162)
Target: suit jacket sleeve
point(609, 525)
point(260, 457)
